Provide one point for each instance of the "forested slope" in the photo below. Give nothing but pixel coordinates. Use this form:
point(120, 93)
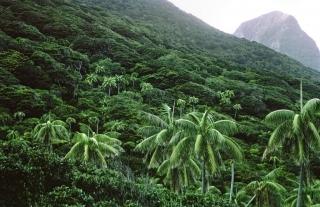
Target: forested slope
point(99, 64)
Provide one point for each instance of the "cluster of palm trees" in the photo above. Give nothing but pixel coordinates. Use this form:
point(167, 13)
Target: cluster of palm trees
point(186, 148)
point(88, 146)
point(197, 144)
point(98, 77)
point(297, 135)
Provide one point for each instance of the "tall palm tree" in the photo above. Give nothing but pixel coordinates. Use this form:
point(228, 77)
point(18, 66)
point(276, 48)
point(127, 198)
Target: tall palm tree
point(109, 82)
point(210, 140)
point(311, 196)
point(94, 121)
point(193, 101)
point(91, 79)
point(181, 104)
point(297, 132)
point(119, 81)
point(263, 193)
point(51, 132)
point(133, 78)
point(94, 148)
point(159, 132)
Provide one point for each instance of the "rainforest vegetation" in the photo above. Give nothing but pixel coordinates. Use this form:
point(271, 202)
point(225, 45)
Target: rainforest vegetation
point(136, 103)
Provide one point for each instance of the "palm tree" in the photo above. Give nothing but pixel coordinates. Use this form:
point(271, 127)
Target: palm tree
point(133, 78)
point(92, 79)
point(298, 133)
point(109, 82)
point(160, 131)
point(181, 104)
point(94, 148)
point(210, 139)
point(119, 81)
point(179, 175)
point(236, 108)
point(311, 196)
point(94, 121)
point(193, 101)
point(264, 193)
point(51, 132)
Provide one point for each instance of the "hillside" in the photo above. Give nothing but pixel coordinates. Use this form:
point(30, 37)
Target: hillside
point(282, 33)
point(95, 66)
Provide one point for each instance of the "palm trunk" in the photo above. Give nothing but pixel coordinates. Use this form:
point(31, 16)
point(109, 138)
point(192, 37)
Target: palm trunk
point(173, 108)
point(204, 177)
point(175, 180)
point(109, 91)
point(232, 182)
point(97, 128)
point(301, 186)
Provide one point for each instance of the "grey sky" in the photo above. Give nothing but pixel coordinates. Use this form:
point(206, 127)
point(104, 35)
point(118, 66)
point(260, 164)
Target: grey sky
point(227, 15)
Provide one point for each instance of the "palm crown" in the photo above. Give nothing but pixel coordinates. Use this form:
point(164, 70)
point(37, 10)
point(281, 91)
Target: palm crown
point(94, 149)
point(210, 139)
point(160, 131)
point(51, 132)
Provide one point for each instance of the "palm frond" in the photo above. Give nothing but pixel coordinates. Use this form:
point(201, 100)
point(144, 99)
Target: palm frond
point(154, 120)
point(146, 144)
point(277, 117)
point(59, 122)
point(279, 135)
point(232, 147)
point(194, 117)
point(213, 165)
point(162, 137)
point(84, 128)
point(194, 167)
point(164, 167)
point(187, 126)
point(311, 107)
point(176, 138)
point(272, 175)
point(148, 130)
point(181, 151)
point(315, 137)
point(215, 137)
point(276, 188)
point(154, 161)
point(226, 127)
point(199, 144)
point(73, 152)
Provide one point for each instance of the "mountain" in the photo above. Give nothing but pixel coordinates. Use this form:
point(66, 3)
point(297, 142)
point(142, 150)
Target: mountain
point(98, 64)
point(282, 33)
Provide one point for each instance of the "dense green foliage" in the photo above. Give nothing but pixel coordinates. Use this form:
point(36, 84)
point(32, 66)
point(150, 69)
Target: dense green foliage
point(92, 77)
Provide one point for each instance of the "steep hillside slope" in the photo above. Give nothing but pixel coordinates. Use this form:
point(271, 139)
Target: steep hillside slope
point(101, 63)
point(282, 33)
point(181, 30)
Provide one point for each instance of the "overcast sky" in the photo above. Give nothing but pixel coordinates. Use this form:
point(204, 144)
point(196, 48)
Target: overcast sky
point(227, 15)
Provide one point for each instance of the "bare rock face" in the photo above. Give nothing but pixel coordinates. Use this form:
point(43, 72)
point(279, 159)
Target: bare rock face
point(282, 33)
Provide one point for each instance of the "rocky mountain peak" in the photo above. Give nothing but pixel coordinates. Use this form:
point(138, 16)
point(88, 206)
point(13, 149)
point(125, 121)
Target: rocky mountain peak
point(282, 33)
